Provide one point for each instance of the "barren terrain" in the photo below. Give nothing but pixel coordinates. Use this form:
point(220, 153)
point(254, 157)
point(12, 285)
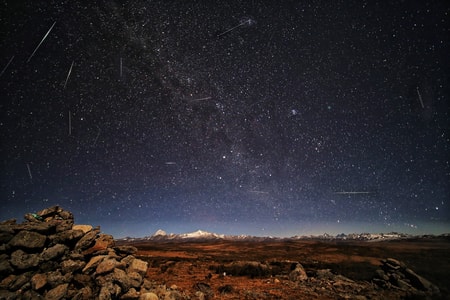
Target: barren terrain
point(223, 269)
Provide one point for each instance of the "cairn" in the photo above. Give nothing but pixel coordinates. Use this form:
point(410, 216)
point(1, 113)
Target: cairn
point(49, 257)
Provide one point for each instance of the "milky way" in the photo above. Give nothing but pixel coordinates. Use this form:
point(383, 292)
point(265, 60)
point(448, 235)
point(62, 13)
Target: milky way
point(236, 117)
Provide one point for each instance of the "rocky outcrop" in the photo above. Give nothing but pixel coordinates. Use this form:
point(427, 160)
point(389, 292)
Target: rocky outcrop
point(48, 257)
point(395, 274)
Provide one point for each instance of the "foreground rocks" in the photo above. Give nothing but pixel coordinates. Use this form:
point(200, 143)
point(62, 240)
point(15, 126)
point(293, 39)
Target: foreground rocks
point(49, 257)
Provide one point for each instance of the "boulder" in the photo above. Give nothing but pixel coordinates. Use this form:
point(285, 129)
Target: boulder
point(298, 274)
point(54, 252)
point(28, 240)
point(138, 266)
point(22, 260)
point(59, 292)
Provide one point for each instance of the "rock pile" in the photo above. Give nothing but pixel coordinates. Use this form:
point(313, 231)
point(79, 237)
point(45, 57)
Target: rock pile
point(395, 274)
point(49, 257)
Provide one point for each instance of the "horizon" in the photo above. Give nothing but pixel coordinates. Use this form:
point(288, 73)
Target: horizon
point(141, 230)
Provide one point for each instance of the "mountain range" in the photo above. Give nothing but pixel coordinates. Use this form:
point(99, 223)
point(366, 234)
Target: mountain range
point(199, 235)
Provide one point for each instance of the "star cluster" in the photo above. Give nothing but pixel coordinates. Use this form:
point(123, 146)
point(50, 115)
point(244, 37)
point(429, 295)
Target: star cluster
point(240, 117)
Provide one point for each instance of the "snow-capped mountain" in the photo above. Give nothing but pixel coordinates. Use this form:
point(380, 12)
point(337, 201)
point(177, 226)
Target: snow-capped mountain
point(159, 233)
point(200, 234)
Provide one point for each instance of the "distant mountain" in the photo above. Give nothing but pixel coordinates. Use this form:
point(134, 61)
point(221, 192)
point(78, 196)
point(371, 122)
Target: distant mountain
point(159, 233)
point(199, 235)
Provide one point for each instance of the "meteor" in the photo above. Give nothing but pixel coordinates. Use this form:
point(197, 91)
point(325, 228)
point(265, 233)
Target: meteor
point(352, 193)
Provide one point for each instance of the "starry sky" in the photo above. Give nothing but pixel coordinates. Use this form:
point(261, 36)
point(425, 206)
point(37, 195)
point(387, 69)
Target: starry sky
point(238, 117)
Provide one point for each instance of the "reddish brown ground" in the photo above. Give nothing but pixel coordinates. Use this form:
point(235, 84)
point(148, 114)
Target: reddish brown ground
point(186, 263)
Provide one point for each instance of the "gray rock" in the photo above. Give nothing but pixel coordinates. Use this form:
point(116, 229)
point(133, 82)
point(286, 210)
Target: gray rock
point(28, 240)
point(87, 240)
point(418, 281)
point(138, 266)
point(22, 261)
point(107, 265)
point(39, 227)
point(54, 252)
point(298, 274)
point(122, 279)
point(66, 237)
point(70, 266)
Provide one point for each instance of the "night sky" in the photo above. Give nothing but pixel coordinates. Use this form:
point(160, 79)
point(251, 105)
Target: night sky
point(238, 117)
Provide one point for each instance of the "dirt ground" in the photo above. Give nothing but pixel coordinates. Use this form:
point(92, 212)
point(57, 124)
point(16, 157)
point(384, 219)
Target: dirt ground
point(199, 265)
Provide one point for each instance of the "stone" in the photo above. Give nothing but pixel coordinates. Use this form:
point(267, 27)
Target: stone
point(87, 240)
point(38, 281)
point(138, 266)
point(58, 292)
point(83, 294)
point(149, 296)
point(135, 279)
point(131, 294)
point(70, 266)
point(84, 228)
point(28, 240)
point(417, 281)
point(102, 242)
point(55, 278)
point(126, 249)
point(19, 282)
point(107, 265)
point(298, 274)
point(66, 237)
point(54, 252)
point(22, 261)
point(93, 262)
point(109, 291)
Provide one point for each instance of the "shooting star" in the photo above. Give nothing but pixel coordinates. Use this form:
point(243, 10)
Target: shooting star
point(45, 36)
point(98, 135)
point(200, 99)
point(7, 65)
point(29, 172)
point(259, 192)
point(170, 163)
point(121, 67)
point(68, 75)
point(246, 22)
point(352, 193)
point(420, 97)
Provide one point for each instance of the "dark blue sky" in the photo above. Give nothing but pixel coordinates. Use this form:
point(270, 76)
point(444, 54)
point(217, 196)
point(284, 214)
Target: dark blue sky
point(240, 117)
